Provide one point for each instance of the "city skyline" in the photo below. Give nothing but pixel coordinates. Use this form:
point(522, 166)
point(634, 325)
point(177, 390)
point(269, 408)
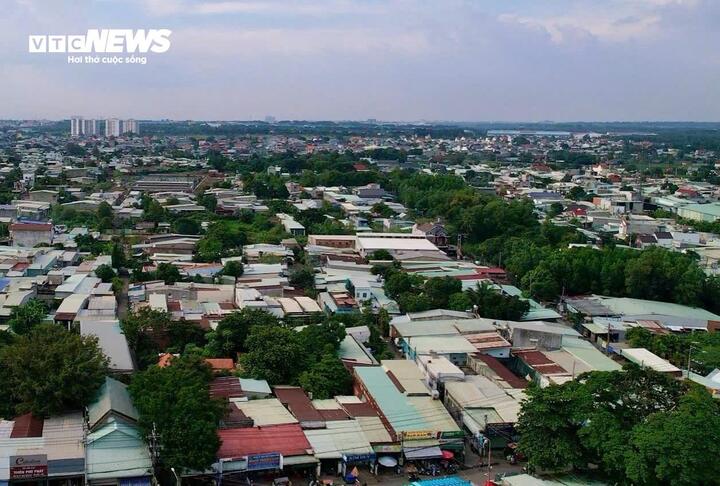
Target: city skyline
point(404, 60)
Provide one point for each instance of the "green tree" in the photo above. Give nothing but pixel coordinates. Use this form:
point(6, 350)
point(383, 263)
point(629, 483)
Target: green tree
point(24, 318)
point(144, 330)
point(186, 226)
point(676, 446)
point(410, 302)
point(208, 201)
point(398, 282)
point(117, 255)
point(105, 211)
point(209, 249)
point(439, 289)
point(233, 268)
point(51, 370)
point(167, 272)
point(155, 212)
point(302, 277)
point(228, 338)
point(592, 420)
point(175, 402)
point(273, 354)
point(383, 210)
point(326, 378)
point(492, 304)
point(548, 427)
point(577, 193)
point(105, 273)
point(105, 224)
point(541, 283)
point(380, 255)
point(460, 301)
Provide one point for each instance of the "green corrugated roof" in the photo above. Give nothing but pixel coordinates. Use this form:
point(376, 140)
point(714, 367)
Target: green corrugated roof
point(628, 306)
point(113, 396)
point(401, 414)
point(590, 355)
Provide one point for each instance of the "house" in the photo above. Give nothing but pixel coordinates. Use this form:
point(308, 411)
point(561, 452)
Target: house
point(403, 245)
point(370, 191)
point(290, 225)
point(52, 446)
point(700, 212)
point(396, 390)
point(111, 340)
point(115, 450)
point(435, 232)
point(646, 359)
point(30, 235)
point(44, 195)
point(484, 407)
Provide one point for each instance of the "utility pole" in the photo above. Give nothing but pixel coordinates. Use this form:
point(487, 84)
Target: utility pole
point(607, 343)
point(459, 246)
point(153, 443)
point(690, 349)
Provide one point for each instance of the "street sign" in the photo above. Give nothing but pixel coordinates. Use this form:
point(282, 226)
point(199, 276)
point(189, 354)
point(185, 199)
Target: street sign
point(258, 462)
point(28, 467)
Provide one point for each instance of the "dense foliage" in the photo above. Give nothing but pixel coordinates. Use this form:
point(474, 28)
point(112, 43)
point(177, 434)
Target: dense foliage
point(618, 422)
point(24, 318)
point(174, 404)
point(150, 332)
point(703, 348)
point(307, 357)
point(50, 370)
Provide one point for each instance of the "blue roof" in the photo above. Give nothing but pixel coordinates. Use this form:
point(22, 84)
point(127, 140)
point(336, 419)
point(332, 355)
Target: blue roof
point(4, 282)
point(446, 481)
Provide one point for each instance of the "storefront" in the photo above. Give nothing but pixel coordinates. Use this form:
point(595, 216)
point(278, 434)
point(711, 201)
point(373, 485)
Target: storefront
point(38, 470)
point(453, 441)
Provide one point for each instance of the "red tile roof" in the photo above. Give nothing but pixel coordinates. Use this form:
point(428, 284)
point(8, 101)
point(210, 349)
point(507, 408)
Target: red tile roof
point(227, 387)
point(360, 410)
point(333, 415)
point(31, 227)
point(540, 362)
point(502, 371)
point(218, 364)
point(165, 359)
point(287, 439)
point(27, 426)
point(298, 403)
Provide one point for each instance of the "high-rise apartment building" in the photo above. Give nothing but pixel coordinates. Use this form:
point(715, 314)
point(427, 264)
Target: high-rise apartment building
point(76, 126)
point(112, 127)
point(90, 128)
point(131, 126)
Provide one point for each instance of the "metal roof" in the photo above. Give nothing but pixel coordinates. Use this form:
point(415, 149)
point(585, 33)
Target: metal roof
point(647, 359)
point(266, 411)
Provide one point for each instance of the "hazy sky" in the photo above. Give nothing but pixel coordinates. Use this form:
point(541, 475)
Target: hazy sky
point(391, 60)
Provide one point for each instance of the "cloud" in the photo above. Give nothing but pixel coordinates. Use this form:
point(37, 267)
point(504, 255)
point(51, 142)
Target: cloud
point(266, 7)
point(612, 21)
point(566, 28)
point(213, 43)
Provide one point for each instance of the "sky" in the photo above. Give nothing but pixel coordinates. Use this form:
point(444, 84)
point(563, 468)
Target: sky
point(394, 60)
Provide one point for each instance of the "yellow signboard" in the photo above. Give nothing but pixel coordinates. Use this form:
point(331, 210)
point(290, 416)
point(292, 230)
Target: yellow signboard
point(419, 435)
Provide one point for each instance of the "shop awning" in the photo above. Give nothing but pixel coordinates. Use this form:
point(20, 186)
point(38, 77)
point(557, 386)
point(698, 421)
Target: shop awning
point(140, 481)
point(419, 453)
point(299, 460)
point(468, 421)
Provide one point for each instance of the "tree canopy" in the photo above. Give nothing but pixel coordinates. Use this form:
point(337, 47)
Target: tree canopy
point(24, 318)
point(50, 370)
point(228, 338)
point(175, 400)
point(636, 426)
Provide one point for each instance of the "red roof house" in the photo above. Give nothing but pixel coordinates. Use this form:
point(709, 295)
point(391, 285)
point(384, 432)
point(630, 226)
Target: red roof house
point(287, 439)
